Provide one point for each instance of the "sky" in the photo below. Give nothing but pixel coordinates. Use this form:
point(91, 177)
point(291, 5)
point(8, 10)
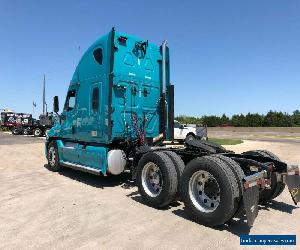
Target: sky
point(227, 57)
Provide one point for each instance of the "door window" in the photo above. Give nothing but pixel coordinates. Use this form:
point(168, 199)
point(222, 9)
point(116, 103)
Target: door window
point(70, 101)
point(176, 125)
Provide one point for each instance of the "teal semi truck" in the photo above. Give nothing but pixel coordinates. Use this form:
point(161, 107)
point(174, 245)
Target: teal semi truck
point(119, 109)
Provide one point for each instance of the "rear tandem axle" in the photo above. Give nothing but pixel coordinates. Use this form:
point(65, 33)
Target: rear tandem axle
point(215, 184)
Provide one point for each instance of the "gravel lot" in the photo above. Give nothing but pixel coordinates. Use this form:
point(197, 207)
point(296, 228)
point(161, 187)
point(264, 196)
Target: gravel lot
point(277, 134)
point(44, 210)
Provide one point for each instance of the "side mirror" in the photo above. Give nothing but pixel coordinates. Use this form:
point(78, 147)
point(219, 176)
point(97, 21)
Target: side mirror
point(181, 126)
point(55, 104)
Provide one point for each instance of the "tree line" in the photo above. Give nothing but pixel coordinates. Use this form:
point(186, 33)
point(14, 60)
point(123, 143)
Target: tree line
point(271, 119)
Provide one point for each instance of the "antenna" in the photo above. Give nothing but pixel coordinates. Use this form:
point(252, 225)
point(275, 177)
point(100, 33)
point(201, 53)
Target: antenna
point(44, 93)
point(33, 106)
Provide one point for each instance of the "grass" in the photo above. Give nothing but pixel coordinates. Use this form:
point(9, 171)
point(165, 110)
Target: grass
point(222, 141)
point(3, 129)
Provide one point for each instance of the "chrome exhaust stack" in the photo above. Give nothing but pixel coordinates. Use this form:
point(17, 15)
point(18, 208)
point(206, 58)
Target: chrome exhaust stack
point(163, 100)
point(164, 67)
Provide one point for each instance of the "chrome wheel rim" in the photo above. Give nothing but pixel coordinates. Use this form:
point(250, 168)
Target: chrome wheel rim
point(51, 156)
point(204, 191)
point(152, 179)
point(190, 137)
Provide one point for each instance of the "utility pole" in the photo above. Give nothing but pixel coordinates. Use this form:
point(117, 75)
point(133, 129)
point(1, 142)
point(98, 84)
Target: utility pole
point(44, 93)
point(33, 106)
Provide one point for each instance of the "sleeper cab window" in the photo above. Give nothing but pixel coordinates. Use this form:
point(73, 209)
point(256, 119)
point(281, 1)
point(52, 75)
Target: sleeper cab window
point(70, 102)
point(95, 99)
point(98, 55)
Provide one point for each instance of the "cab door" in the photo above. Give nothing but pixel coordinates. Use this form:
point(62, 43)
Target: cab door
point(68, 116)
point(69, 151)
point(93, 156)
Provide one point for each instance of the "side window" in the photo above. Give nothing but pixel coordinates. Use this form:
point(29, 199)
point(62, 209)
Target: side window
point(70, 101)
point(98, 55)
point(176, 125)
point(95, 99)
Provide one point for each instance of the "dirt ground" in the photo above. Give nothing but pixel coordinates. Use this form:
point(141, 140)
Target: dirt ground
point(40, 209)
point(279, 134)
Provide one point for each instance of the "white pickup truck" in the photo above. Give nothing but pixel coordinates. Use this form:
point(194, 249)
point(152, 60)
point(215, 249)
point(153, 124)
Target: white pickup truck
point(184, 132)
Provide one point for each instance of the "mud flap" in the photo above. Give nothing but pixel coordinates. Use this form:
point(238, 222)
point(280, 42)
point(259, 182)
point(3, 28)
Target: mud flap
point(293, 183)
point(250, 199)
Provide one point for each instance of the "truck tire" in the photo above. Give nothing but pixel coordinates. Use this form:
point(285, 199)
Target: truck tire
point(239, 175)
point(209, 190)
point(53, 157)
point(277, 187)
point(264, 153)
point(157, 179)
point(16, 131)
point(280, 185)
point(190, 137)
point(37, 132)
point(179, 166)
point(27, 131)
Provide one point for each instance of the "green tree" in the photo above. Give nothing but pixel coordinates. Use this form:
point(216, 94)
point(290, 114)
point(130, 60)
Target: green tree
point(271, 119)
point(277, 119)
point(253, 120)
point(296, 118)
point(238, 120)
point(224, 120)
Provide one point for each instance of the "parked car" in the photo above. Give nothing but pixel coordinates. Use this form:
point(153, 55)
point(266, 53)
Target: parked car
point(188, 132)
